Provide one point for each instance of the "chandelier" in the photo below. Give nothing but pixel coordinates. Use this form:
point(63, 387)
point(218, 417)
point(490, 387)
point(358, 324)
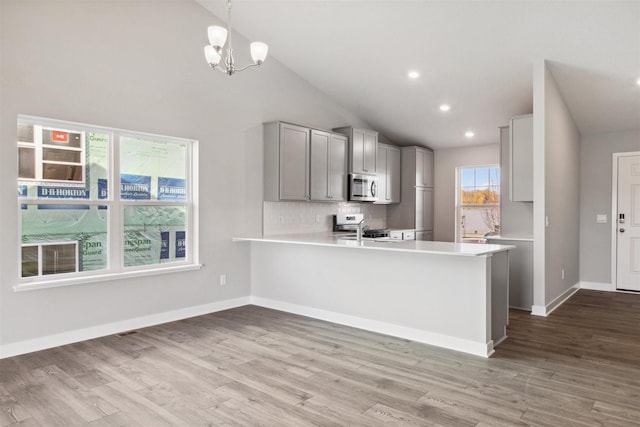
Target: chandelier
point(218, 37)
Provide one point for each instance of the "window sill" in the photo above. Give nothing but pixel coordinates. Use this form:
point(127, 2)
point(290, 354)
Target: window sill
point(55, 283)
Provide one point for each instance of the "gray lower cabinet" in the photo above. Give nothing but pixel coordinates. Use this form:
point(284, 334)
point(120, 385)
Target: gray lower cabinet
point(520, 271)
point(388, 171)
point(328, 166)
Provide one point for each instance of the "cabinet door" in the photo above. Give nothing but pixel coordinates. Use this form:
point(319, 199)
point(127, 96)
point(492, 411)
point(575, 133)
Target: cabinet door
point(320, 168)
point(357, 151)
point(393, 175)
point(521, 168)
point(424, 168)
point(294, 162)
point(370, 152)
point(424, 208)
point(381, 168)
point(338, 168)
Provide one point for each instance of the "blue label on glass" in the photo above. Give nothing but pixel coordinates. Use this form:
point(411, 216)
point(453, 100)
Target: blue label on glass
point(181, 248)
point(72, 207)
point(135, 187)
point(49, 192)
point(22, 191)
point(171, 189)
point(103, 188)
point(164, 245)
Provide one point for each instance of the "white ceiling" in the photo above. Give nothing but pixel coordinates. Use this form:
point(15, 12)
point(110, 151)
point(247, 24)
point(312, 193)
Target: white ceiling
point(477, 56)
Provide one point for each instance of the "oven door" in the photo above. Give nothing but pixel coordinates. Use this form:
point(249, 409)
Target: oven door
point(363, 188)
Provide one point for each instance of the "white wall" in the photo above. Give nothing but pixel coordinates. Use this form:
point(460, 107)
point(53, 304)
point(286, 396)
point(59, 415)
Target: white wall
point(444, 188)
point(595, 198)
point(557, 186)
point(139, 65)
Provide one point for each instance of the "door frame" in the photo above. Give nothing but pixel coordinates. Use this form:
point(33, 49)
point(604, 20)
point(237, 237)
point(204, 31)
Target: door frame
point(614, 216)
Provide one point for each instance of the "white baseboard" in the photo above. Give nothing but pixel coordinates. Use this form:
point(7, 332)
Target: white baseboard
point(545, 310)
point(28, 346)
point(597, 286)
point(439, 340)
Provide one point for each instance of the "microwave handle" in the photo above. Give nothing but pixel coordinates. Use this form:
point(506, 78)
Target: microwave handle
point(374, 188)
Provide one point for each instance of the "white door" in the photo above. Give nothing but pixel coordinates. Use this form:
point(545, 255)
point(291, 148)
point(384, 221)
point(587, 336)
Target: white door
point(628, 224)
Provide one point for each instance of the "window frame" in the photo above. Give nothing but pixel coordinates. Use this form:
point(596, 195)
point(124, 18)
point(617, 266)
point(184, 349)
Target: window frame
point(115, 268)
point(459, 206)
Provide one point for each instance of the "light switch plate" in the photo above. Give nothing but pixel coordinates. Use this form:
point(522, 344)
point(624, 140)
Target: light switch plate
point(601, 218)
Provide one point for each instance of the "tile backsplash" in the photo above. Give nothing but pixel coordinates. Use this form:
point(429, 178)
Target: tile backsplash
point(315, 217)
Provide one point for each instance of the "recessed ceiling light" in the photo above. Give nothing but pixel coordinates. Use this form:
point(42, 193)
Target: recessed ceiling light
point(469, 134)
point(445, 107)
point(638, 82)
point(413, 74)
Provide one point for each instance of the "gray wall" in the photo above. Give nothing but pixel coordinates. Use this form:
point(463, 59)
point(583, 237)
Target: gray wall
point(562, 193)
point(445, 164)
point(139, 65)
point(595, 198)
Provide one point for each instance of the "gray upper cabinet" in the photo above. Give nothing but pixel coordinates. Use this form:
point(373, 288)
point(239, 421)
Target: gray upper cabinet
point(328, 166)
point(286, 162)
point(521, 156)
point(424, 167)
point(388, 171)
point(363, 149)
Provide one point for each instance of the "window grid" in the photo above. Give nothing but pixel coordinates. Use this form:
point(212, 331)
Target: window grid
point(113, 202)
point(478, 202)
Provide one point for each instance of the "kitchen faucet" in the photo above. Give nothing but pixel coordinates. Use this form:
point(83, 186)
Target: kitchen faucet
point(359, 232)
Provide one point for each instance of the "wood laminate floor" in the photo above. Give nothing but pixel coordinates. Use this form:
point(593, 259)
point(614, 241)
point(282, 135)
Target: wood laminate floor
point(252, 366)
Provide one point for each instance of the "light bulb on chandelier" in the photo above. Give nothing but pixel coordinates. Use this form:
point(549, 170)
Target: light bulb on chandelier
point(218, 37)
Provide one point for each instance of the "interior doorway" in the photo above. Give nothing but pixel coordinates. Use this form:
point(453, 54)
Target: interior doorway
point(626, 221)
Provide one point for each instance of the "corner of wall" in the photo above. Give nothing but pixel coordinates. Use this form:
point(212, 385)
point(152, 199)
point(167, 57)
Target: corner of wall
point(539, 76)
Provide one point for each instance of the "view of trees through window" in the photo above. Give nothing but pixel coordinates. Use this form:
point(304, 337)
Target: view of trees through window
point(478, 202)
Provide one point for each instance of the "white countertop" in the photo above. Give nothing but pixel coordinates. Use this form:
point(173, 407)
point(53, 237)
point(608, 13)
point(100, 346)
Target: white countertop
point(338, 240)
point(514, 238)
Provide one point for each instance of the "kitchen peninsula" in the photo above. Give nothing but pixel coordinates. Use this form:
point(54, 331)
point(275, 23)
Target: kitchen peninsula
point(452, 295)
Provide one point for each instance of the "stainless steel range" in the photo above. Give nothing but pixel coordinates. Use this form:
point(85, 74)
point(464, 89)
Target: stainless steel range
point(348, 223)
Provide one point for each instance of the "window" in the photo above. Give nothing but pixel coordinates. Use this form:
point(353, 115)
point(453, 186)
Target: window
point(478, 202)
point(76, 224)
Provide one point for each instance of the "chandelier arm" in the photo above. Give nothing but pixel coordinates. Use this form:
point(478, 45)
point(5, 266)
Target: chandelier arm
point(237, 70)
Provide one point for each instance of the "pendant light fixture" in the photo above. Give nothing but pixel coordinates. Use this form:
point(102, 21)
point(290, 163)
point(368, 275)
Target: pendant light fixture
point(217, 38)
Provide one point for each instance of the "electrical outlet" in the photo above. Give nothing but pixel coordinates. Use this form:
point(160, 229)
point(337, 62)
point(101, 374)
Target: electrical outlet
point(281, 219)
point(223, 279)
point(318, 218)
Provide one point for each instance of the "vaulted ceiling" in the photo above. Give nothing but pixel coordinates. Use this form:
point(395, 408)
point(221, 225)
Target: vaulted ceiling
point(476, 56)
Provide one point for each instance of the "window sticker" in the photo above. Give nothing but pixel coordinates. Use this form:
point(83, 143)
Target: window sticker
point(164, 245)
point(103, 189)
point(135, 187)
point(55, 192)
point(180, 244)
point(172, 189)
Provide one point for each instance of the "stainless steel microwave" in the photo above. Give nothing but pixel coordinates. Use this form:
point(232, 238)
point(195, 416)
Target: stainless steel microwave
point(363, 188)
